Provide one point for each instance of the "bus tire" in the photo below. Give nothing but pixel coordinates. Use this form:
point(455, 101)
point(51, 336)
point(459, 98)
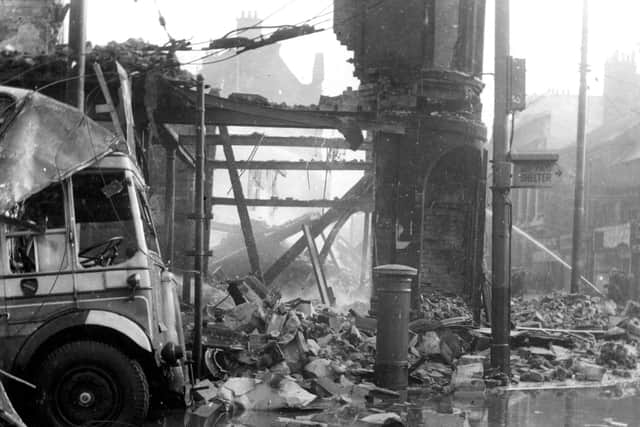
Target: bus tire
point(85, 382)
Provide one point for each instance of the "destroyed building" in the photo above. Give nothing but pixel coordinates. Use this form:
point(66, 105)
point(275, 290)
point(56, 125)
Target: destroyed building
point(415, 124)
point(31, 26)
point(431, 175)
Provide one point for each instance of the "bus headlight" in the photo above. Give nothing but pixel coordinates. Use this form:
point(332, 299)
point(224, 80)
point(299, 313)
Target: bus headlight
point(171, 353)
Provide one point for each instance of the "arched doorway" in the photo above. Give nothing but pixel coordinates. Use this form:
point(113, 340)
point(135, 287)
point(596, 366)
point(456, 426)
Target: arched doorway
point(451, 230)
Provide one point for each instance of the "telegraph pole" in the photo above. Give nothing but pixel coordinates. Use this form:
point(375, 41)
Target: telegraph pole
point(201, 217)
point(500, 239)
point(578, 207)
point(77, 41)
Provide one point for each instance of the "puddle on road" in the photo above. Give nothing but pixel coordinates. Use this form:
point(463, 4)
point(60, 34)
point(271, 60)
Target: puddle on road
point(567, 408)
point(249, 419)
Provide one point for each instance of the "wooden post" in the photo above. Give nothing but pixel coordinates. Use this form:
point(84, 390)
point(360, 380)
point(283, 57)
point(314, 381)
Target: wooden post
point(170, 206)
point(199, 237)
point(77, 41)
point(210, 150)
point(243, 212)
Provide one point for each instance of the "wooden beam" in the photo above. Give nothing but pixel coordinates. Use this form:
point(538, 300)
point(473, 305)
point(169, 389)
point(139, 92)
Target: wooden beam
point(224, 111)
point(243, 213)
point(361, 188)
point(326, 295)
point(328, 242)
point(365, 204)
point(276, 234)
point(170, 139)
point(331, 254)
point(294, 165)
point(112, 108)
point(272, 141)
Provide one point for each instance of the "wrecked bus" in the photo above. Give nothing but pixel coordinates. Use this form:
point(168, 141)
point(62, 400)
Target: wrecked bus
point(88, 311)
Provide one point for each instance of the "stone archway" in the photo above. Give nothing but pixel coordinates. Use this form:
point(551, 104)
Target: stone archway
point(451, 229)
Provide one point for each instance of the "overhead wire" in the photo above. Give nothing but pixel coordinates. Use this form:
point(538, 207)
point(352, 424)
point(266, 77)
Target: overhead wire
point(242, 30)
point(280, 9)
point(162, 21)
point(258, 25)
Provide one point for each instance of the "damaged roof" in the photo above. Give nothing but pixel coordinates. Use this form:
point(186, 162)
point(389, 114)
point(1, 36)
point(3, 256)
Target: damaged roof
point(43, 141)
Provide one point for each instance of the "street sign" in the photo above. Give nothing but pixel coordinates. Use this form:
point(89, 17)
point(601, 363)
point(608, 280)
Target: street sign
point(517, 84)
point(534, 170)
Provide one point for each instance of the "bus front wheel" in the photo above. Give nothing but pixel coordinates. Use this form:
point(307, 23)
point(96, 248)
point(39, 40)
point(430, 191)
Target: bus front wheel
point(88, 381)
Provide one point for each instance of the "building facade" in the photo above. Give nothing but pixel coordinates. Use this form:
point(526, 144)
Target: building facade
point(422, 62)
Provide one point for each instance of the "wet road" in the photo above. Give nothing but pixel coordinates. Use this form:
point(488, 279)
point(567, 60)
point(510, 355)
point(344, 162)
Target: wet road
point(574, 408)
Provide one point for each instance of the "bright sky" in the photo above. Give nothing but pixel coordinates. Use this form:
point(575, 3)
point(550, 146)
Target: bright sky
point(546, 32)
point(203, 20)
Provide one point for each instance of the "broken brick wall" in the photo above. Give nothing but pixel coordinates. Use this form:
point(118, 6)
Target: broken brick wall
point(424, 59)
point(429, 204)
point(399, 38)
point(31, 26)
point(451, 215)
point(184, 230)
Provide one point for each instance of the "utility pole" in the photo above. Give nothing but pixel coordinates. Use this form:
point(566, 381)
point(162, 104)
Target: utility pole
point(578, 206)
point(77, 41)
point(200, 218)
point(501, 231)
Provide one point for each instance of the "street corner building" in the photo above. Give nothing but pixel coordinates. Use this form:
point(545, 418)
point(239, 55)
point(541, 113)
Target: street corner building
point(420, 63)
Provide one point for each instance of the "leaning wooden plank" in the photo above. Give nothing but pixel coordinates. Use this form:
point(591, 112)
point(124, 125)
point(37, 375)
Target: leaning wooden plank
point(325, 292)
point(243, 212)
point(107, 97)
point(361, 188)
point(328, 242)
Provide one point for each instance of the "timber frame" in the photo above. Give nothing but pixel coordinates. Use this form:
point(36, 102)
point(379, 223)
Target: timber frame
point(174, 117)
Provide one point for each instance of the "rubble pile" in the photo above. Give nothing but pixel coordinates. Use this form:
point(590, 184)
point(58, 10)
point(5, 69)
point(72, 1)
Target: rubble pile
point(573, 311)
point(266, 353)
point(263, 352)
point(440, 306)
point(573, 336)
point(135, 55)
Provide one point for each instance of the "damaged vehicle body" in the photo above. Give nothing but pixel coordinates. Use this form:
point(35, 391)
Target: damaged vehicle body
point(88, 311)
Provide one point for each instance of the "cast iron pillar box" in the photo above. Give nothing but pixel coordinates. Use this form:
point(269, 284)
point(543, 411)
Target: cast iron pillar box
point(392, 284)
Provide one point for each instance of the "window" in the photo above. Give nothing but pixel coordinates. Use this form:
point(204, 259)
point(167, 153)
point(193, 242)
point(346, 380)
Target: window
point(105, 230)
point(36, 241)
point(149, 230)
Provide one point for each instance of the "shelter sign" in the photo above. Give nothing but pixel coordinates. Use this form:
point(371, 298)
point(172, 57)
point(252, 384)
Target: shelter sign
point(534, 170)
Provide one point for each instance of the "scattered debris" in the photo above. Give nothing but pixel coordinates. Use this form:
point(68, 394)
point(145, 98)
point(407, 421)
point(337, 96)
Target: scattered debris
point(265, 353)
